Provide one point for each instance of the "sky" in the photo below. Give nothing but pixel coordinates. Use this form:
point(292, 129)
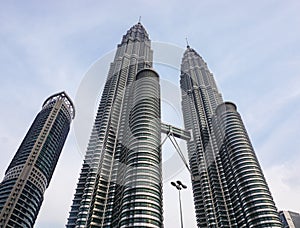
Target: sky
point(252, 48)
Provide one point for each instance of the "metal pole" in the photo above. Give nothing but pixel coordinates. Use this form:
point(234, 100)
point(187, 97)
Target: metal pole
point(178, 185)
point(181, 219)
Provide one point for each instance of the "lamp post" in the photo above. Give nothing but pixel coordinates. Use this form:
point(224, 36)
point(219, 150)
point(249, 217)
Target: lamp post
point(179, 187)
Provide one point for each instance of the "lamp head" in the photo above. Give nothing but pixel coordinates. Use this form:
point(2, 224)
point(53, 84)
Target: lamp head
point(179, 182)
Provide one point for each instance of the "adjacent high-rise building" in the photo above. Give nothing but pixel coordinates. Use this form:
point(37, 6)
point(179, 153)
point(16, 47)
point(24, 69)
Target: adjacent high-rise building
point(290, 219)
point(120, 180)
point(31, 169)
point(228, 184)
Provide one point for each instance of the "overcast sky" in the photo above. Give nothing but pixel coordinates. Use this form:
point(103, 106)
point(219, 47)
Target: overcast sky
point(252, 48)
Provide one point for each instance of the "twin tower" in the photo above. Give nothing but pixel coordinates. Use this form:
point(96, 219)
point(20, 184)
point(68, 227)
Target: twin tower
point(120, 184)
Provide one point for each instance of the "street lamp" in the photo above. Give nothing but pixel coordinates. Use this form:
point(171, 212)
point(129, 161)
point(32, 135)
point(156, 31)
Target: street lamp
point(179, 187)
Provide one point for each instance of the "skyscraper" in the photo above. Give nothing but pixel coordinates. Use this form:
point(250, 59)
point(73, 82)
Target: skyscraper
point(31, 169)
point(290, 219)
point(120, 180)
point(228, 184)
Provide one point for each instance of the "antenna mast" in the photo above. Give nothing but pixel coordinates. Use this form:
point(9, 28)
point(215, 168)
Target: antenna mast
point(187, 42)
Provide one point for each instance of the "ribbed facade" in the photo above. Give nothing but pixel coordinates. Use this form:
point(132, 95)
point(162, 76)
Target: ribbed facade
point(30, 171)
point(123, 148)
point(141, 204)
point(228, 184)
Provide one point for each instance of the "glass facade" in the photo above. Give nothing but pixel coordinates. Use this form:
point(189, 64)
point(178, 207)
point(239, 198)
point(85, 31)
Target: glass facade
point(31, 169)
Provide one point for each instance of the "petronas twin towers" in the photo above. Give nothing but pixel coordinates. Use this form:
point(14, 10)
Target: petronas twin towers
point(120, 183)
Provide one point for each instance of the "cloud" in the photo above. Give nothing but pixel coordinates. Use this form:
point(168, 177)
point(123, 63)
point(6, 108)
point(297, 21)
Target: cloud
point(284, 184)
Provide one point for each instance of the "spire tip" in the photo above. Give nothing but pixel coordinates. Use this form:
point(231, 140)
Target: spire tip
point(140, 19)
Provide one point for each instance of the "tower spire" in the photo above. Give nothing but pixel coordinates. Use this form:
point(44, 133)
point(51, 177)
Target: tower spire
point(187, 42)
point(140, 17)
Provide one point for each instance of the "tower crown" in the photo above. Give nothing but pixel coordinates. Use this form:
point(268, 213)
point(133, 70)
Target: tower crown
point(190, 50)
point(136, 33)
point(66, 99)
